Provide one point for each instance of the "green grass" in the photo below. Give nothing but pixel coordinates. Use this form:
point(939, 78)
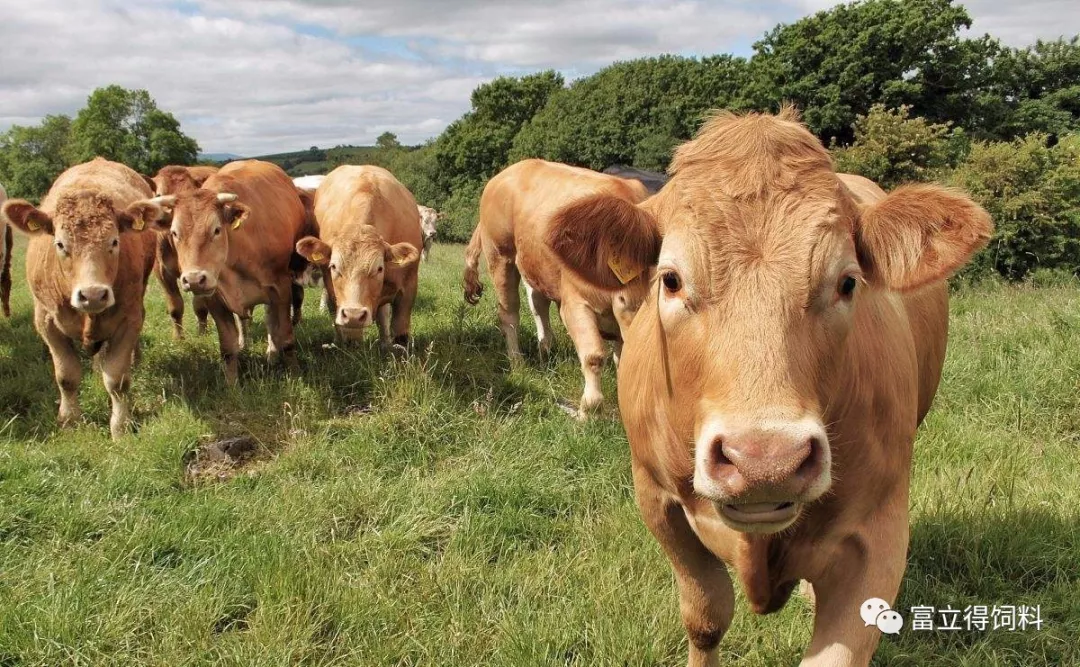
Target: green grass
point(443, 511)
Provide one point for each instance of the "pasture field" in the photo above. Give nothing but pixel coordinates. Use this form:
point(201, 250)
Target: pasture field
point(442, 510)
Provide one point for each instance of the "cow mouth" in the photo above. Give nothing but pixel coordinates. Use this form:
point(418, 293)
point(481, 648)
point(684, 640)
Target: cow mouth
point(760, 513)
point(203, 292)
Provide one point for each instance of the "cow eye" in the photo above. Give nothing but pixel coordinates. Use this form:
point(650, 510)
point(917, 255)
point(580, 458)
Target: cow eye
point(378, 270)
point(116, 243)
point(175, 235)
point(217, 230)
point(672, 282)
point(60, 246)
point(847, 287)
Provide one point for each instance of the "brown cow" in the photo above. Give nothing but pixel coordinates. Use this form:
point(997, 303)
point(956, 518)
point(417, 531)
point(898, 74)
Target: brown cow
point(173, 180)
point(88, 261)
point(775, 376)
point(234, 240)
point(5, 261)
point(368, 249)
point(516, 209)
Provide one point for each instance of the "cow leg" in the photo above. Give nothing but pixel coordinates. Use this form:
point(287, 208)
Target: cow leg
point(202, 312)
point(228, 338)
point(116, 359)
point(243, 326)
point(167, 272)
point(66, 368)
point(5, 270)
point(581, 324)
point(706, 596)
point(864, 568)
point(506, 278)
point(401, 321)
point(279, 328)
point(540, 306)
point(297, 303)
point(616, 347)
point(382, 320)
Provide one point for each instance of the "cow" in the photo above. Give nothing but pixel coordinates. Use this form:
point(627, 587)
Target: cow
point(516, 209)
point(90, 255)
point(368, 250)
point(5, 261)
point(772, 382)
point(234, 239)
point(428, 217)
point(652, 180)
point(171, 180)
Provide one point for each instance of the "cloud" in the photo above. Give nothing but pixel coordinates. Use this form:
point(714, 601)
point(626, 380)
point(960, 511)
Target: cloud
point(258, 76)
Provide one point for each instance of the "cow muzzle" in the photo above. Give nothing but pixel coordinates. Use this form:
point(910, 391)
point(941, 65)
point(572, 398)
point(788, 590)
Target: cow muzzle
point(92, 299)
point(760, 477)
point(353, 318)
point(199, 283)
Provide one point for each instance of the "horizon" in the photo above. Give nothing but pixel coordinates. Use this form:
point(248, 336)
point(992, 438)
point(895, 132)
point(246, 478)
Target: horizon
point(325, 73)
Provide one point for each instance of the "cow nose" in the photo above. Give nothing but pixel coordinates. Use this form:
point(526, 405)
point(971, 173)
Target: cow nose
point(93, 297)
point(354, 317)
point(195, 281)
point(782, 462)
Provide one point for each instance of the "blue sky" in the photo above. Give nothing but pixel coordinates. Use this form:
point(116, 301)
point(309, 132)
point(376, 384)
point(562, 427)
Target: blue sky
point(260, 76)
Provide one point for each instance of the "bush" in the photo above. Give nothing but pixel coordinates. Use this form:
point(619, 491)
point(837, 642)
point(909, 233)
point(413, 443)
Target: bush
point(891, 148)
point(1033, 194)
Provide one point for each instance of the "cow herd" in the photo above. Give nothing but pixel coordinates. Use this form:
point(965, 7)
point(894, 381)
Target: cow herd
point(779, 329)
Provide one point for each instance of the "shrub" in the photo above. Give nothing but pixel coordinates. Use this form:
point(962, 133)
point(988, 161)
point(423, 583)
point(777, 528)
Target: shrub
point(1033, 193)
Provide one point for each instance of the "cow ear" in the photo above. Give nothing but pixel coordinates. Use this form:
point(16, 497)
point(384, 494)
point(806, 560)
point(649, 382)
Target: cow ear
point(22, 215)
point(145, 214)
point(605, 240)
point(235, 214)
point(314, 250)
point(401, 255)
point(919, 234)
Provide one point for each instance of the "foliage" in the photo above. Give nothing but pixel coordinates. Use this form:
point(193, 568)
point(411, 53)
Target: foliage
point(891, 148)
point(127, 126)
point(632, 112)
point(1032, 191)
point(32, 157)
point(387, 141)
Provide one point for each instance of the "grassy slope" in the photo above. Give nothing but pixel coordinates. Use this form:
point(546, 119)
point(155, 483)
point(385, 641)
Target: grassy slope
point(443, 511)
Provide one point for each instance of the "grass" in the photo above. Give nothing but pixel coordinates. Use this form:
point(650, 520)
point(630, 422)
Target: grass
point(442, 510)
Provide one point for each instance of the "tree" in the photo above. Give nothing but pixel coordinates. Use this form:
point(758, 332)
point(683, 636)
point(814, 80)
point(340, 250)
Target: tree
point(835, 64)
point(387, 141)
point(127, 126)
point(32, 157)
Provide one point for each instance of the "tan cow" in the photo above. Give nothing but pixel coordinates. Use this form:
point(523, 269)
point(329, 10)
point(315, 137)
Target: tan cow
point(234, 240)
point(516, 210)
point(90, 255)
point(773, 380)
point(173, 180)
point(428, 218)
point(368, 249)
point(5, 261)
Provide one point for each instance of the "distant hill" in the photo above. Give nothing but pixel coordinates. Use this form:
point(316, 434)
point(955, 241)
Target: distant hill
point(317, 160)
point(217, 157)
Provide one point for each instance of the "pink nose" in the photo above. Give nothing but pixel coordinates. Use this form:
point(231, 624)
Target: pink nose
point(764, 463)
point(92, 297)
point(352, 318)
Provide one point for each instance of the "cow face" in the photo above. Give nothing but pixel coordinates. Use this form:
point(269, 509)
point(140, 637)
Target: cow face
point(86, 231)
point(760, 259)
point(428, 217)
point(199, 226)
point(363, 273)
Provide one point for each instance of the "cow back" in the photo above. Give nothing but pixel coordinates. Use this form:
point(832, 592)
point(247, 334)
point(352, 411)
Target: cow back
point(355, 196)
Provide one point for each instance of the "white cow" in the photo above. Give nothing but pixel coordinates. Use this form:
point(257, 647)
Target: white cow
point(428, 216)
point(309, 183)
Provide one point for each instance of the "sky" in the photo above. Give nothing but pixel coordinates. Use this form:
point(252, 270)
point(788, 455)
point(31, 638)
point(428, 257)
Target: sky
point(262, 76)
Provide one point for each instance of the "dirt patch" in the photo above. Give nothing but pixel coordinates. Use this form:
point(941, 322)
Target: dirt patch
point(221, 460)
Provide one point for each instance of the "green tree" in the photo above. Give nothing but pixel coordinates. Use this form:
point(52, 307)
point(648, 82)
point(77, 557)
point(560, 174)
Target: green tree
point(127, 126)
point(387, 141)
point(1037, 89)
point(32, 157)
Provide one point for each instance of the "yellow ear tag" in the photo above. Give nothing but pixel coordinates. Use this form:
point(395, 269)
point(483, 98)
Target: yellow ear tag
point(32, 225)
point(239, 221)
point(623, 272)
point(317, 257)
point(137, 224)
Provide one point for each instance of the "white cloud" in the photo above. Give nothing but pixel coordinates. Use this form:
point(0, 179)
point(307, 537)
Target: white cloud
point(255, 76)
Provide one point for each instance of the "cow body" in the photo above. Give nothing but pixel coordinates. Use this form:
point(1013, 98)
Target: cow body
point(88, 261)
point(774, 379)
point(516, 209)
point(6, 243)
point(234, 238)
point(428, 218)
point(368, 248)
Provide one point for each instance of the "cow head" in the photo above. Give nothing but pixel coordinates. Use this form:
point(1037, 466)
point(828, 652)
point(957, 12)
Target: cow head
point(199, 223)
point(364, 272)
point(759, 260)
point(86, 230)
point(173, 180)
point(428, 216)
